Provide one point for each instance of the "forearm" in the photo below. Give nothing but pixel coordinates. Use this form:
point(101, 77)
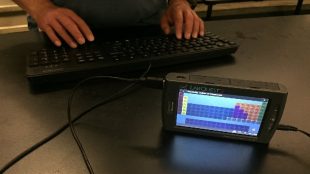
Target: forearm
point(33, 7)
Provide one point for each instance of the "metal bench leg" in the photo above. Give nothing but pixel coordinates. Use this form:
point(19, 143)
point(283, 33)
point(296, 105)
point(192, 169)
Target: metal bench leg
point(209, 11)
point(298, 7)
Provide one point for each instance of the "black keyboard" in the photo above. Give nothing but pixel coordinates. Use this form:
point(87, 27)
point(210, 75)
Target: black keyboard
point(53, 64)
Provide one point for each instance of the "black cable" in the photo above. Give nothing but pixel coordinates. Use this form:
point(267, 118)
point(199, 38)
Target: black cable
point(57, 132)
point(284, 127)
point(70, 100)
point(72, 129)
point(115, 96)
point(61, 129)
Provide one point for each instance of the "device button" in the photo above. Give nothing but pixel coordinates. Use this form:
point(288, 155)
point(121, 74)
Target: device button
point(272, 119)
point(170, 108)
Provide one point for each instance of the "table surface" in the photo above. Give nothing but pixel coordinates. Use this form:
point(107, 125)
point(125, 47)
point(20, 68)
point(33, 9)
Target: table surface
point(125, 136)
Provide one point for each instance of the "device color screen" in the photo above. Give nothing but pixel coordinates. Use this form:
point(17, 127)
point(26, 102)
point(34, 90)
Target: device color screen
point(220, 112)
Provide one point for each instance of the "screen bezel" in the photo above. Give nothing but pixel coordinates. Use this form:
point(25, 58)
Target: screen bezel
point(277, 100)
point(266, 131)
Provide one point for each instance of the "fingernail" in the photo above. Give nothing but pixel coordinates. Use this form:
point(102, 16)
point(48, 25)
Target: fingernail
point(187, 36)
point(166, 31)
point(91, 38)
point(179, 36)
point(81, 40)
point(73, 45)
point(194, 35)
point(202, 33)
point(57, 43)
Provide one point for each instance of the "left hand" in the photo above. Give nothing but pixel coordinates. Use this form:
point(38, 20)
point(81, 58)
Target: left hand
point(185, 20)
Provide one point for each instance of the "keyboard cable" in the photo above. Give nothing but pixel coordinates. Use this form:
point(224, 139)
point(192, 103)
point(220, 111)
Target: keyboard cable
point(69, 106)
point(122, 92)
point(154, 82)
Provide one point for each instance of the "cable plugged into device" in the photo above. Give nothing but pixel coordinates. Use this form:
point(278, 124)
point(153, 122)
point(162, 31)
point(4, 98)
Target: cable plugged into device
point(284, 127)
point(153, 82)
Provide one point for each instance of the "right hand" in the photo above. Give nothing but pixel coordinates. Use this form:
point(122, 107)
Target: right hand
point(185, 20)
point(56, 21)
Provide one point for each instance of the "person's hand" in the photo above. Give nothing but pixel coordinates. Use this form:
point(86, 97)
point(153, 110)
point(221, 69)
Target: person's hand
point(62, 22)
point(185, 20)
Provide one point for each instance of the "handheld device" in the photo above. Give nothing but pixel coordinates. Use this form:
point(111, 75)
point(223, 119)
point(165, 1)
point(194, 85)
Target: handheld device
point(222, 107)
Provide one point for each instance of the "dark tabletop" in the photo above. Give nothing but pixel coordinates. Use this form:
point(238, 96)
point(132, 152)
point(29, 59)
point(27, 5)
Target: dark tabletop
point(125, 136)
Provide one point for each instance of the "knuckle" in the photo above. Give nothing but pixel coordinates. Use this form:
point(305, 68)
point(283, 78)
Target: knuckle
point(189, 17)
point(66, 10)
point(50, 15)
point(202, 23)
point(66, 23)
point(178, 20)
point(197, 21)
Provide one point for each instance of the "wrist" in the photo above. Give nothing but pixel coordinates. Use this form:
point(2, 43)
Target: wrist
point(38, 9)
point(170, 2)
point(190, 3)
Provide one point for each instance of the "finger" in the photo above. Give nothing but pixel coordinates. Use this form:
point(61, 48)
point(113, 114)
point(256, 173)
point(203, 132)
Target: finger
point(201, 28)
point(72, 28)
point(164, 24)
point(178, 23)
point(51, 34)
point(196, 26)
point(63, 33)
point(201, 25)
point(189, 20)
point(81, 25)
